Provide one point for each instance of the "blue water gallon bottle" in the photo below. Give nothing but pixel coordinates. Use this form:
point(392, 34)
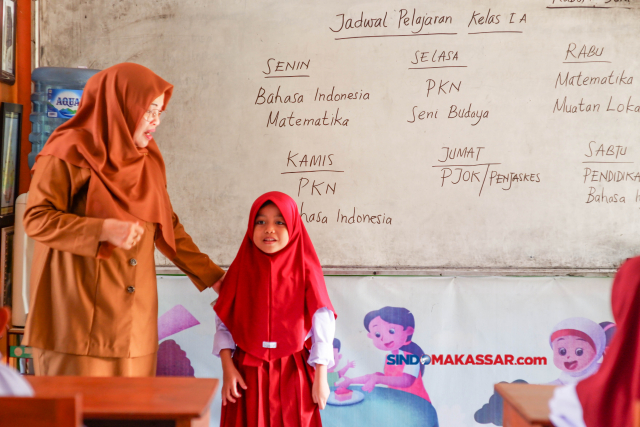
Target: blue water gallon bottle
point(56, 95)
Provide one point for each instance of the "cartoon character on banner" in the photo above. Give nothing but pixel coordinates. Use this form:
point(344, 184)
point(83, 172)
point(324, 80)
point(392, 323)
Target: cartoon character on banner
point(578, 345)
point(391, 330)
point(333, 375)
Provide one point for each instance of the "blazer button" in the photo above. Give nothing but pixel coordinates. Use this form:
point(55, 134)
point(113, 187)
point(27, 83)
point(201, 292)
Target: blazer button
point(131, 289)
point(133, 261)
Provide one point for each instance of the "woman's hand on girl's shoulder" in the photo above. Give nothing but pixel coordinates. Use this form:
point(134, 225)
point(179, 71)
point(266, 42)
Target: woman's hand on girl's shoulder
point(121, 234)
point(216, 286)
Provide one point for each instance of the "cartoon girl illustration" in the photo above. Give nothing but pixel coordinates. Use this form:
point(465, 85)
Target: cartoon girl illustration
point(333, 373)
point(577, 343)
point(391, 329)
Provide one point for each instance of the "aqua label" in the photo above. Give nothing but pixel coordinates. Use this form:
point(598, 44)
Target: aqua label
point(63, 103)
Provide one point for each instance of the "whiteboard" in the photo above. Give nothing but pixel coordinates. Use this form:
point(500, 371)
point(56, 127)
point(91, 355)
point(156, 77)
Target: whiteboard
point(441, 135)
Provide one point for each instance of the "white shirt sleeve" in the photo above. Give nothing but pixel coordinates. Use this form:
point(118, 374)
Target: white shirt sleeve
point(566, 410)
point(13, 384)
point(322, 332)
point(222, 338)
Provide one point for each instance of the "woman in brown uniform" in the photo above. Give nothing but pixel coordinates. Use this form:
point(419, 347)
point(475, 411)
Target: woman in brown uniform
point(97, 204)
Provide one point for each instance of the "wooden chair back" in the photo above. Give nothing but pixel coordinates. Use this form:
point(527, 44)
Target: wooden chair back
point(41, 411)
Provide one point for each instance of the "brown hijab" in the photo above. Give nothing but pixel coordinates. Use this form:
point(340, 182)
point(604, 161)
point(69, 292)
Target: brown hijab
point(127, 182)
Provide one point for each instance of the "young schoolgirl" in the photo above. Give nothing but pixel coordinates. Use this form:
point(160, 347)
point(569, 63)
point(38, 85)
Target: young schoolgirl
point(272, 300)
point(11, 382)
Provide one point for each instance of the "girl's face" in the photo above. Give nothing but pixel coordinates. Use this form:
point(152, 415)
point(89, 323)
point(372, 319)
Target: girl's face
point(572, 354)
point(270, 233)
point(148, 124)
point(388, 336)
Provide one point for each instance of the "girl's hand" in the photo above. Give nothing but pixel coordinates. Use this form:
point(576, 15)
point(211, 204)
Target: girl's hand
point(231, 378)
point(216, 286)
point(121, 234)
point(370, 383)
point(351, 364)
point(320, 391)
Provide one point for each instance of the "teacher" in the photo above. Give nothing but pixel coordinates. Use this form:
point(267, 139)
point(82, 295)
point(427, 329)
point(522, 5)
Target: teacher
point(97, 206)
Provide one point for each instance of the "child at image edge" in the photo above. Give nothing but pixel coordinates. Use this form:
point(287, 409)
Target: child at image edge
point(11, 382)
point(272, 300)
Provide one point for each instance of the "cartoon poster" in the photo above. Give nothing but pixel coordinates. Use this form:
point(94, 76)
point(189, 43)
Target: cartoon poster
point(424, 351)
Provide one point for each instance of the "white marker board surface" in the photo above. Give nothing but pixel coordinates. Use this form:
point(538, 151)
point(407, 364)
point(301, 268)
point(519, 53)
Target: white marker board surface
point(495, 134)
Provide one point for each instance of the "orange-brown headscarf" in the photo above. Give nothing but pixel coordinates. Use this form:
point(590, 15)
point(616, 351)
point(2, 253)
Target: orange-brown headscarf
point(127, 183)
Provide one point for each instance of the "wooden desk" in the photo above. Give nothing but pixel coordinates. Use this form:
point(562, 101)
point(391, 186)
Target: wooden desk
point(180, 401)
point(525, 405)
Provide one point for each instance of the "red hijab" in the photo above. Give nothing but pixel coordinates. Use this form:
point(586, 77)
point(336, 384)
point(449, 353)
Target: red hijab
point(127, 183)
point(608, 396)
point(273, 297)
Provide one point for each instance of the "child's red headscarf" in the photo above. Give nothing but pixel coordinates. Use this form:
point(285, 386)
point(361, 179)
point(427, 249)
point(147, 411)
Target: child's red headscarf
point(273, 297)
point(608, 396)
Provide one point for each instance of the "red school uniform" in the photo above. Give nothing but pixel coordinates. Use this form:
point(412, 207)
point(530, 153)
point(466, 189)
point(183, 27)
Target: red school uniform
point(267, 302)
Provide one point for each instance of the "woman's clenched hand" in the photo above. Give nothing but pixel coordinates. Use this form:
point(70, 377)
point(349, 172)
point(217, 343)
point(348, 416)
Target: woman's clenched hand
point(122, 234)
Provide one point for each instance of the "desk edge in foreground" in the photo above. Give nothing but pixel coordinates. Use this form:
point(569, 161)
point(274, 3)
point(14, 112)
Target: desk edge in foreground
point(44, 386)
point(539, 394)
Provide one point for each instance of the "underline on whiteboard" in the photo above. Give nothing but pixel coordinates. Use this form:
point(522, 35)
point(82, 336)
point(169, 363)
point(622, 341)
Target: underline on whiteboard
point(397, 35)
point(583, 62)
point(445, 66)
point(587, 7)
point(322, 170)
point(479, 164)
point(280, 77)
point(607, 162)
point(492, 32)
